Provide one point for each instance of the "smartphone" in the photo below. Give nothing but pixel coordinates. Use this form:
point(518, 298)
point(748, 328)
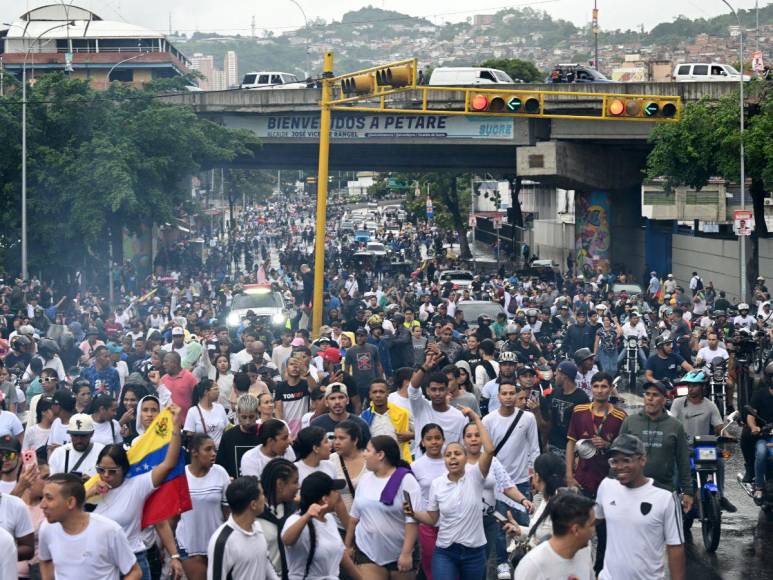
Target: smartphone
point(534, 395)
point(28, 458)
point(499, 517)
point(336, 369)
point(407, 499)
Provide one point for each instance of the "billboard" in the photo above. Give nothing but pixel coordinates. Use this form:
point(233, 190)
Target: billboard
point(592, 232)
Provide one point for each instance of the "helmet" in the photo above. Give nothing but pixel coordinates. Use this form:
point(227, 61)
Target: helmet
point(48, 348)
point(511, 329)
point(375, 320)
point(508, 357)
point(663, 339)
point(484, 320)
point(391, 309)
point(743, 306)
point(582, 354)
point(532, 313)
point(693, 377)
point(398, 318)
point(20, 341)
point(720, 312)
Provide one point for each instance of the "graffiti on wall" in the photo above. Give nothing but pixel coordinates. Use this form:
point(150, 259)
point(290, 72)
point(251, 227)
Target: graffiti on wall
point(592, 232)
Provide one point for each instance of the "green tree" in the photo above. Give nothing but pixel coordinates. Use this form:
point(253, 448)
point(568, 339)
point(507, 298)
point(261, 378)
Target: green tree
point(517, 69)
point(99, 162)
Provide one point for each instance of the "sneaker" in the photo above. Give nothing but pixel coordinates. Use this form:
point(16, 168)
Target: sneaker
point(758, 495)
point(503, 571)
point(727, 506)
point(748, 477)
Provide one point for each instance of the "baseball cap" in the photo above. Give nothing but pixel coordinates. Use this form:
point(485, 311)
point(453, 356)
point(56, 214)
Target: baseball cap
point(332, 355)
point(80, 424)
point(64, 399)
point(10, 443)
point(298, 341)
point(317, 485)
point(336, 388)
point(178, 331)
point(526, 370)
point(568, 368)
point(627, 445)
point(361, 330)
point(657, 385)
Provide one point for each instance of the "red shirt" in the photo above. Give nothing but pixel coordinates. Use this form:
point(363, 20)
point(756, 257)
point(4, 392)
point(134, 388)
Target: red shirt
point(589, 473)
point(181, 386)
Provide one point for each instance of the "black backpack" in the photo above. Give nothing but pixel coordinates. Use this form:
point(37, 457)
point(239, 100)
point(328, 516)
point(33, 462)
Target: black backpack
point(699, 284)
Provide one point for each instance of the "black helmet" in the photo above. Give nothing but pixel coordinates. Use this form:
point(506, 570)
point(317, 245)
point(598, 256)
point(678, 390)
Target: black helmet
point(663, 339)
point(398, 318)
point(20, 341)
point(582, 354)
point(48, 348)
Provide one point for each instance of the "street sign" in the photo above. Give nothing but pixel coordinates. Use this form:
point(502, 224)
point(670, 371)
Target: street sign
point(514, 104)
point(473, 221)
point(743, 222)
point(497, 223)
point(757, 63)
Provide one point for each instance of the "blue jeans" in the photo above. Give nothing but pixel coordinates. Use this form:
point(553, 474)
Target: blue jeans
point(760, 461)
point(495, 541)
point(142, 562)
point(642, 358)
point(608, 362)
point(457, 561)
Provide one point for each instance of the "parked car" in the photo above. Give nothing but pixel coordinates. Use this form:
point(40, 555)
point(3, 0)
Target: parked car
point(459, 278)
point(575, 73)
point(271, 80)
point(474, 308)
point(460, 76)
point(376, 248)
point(630, 289)
point(706, 72)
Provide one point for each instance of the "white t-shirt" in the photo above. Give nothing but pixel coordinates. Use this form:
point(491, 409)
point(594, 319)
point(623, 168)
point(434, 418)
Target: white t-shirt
point(103, 434)
point(14, 517)
point(426, 470)
point(215, 418)
point(381, 528)
point(255, 460)
point(641, 522)
point(99, 551)
point(123, 505)
point(325, 466)
point(10, 424)
point(34, 437)
point(208, 498)
point(708, 355)
point(522, 447)
point(543, 563)
point(328, 551)
point(58, 434)
point(461, 519)
point(63, 462)
point(8, 550)
point(244, 554)
point(7, 486)
point(397, 399)
point(452, 421)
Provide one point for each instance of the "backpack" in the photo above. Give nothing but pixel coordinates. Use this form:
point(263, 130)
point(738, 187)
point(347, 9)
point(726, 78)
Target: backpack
point(699, 284)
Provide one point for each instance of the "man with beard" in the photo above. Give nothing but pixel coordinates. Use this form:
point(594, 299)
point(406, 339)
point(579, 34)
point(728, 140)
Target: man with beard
point(489, 401)
point(80, 454)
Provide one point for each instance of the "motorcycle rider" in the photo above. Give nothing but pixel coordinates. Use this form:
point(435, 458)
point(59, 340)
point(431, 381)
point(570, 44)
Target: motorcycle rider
point(762, 402)
point(632, 327)
point(664, 364)
point(712, 349)
point(586, 368)
point(700, 416)
point(743, 318)
point(581, 334)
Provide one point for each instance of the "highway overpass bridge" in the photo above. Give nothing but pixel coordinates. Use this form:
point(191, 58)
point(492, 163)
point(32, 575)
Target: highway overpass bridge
point(287, 122)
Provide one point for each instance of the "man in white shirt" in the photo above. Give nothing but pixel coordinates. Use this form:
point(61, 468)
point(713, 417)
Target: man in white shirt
point(712, 350)
point(178, 342)
point(437, 410)
point(633, 327)
point(10, 555)
point(14, 517)
point(75, 544)
point(566, 554)
point(81, 453)
point(238, 548)
point(643, 521)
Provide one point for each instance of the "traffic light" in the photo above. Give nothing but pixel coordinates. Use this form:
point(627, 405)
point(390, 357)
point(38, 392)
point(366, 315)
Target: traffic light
point(359, 84)
point(624, 107)
point(397, 76)
point(486, 103)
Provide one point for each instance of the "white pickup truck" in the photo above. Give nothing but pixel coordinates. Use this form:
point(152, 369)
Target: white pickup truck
point(271, 80)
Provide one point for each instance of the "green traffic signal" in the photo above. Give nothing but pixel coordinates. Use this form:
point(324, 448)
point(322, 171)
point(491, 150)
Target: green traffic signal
point(651, 109)
point(514, 104)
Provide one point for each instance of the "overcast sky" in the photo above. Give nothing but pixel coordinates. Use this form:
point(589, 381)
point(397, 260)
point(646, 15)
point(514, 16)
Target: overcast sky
point(234, 16)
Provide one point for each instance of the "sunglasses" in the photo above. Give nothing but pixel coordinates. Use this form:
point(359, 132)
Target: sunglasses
point(8, 455)
point(48, 379)
point(108, 470)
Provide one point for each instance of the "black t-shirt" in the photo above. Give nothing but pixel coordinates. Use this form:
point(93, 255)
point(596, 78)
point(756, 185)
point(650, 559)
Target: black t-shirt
point(233, 445)
point(472, 358)
point(762, 401)
point(329, 425)
point(527, 354)
point(663, 368)
point(557, 409)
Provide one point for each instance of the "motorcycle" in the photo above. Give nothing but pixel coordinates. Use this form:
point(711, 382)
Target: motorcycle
point(717, 373)
point(706, 450)
point(631, 363)
point(766, 503)
point(762, 351)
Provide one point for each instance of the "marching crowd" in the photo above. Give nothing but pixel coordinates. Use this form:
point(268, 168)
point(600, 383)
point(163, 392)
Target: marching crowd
point(404, 441)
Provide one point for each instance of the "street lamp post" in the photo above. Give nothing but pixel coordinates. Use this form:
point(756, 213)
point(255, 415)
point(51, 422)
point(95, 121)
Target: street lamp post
point(306, 25)
point(741, 239)
point(24, 270)
point(107, 78)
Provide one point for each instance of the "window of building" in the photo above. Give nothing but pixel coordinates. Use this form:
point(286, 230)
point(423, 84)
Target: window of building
point(124, 75)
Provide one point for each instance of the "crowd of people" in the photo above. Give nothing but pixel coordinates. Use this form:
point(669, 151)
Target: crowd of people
point(401, 441)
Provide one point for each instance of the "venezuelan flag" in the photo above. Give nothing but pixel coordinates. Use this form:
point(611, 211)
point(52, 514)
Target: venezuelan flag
point(172, 497)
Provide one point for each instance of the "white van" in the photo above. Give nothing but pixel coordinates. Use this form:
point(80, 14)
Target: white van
point(706, 72)
point(271, 80)
point(453, 76)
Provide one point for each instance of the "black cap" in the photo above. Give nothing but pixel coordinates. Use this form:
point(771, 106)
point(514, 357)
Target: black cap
point(627, 445)
point(318, 484)
point(11, 443)
point(65, 400)
point(655, 385)
point(361, 330)
point(526, 369)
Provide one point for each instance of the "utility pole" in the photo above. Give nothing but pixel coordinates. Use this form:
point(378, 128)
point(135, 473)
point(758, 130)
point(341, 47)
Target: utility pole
point(253, 27)
point(595, 36)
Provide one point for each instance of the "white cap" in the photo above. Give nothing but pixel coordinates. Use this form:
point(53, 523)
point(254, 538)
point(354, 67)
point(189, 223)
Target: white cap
point(80, 424)
point(178, 331)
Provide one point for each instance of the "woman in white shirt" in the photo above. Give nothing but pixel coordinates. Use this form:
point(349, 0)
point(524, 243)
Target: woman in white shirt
point(221, 373)
point(426, 469)
point(123, 498)
point(384, 535)
point(37, 435)
point(312, 452)
point(207, 483)
point(313, 546)
point(348, 461)
point(274, 437)
point(206, 415)
point(279, 481)
point(454, 506)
